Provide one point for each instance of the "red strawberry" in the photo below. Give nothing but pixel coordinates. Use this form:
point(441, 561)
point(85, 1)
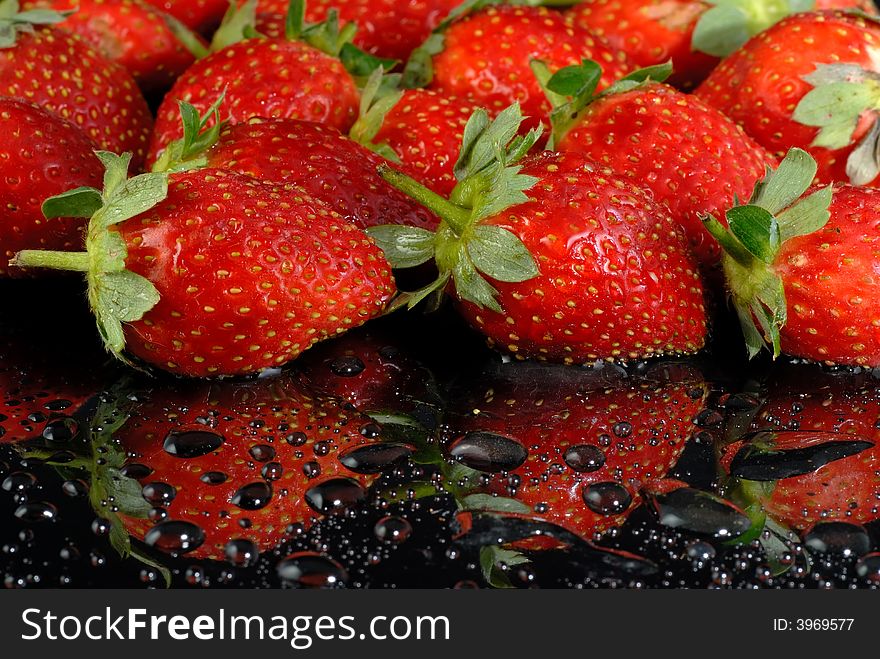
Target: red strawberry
point(216, 273)
point(574, 447)
point(131, 33)
point(42, 155)
point(585, 267)
point(690, 156)
point(96, 94)
point(761, 86)
point(387, 28)
point(486, 55)
point(692, 33)
point(805, 270)
point(199, 15)
point(329, 166)
point(423, 130)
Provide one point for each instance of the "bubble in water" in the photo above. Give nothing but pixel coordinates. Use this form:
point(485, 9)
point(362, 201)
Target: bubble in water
point(584, 458)
point(347, 366)
point(490, 452)
point(393, 529)
point(311, 570)
point(159, 494)
point(61, 429)
point(37, 511)
point(606, 498)
point(334, 494)
point(373, 458)
point(175, 537)
point(241, 553)
point(838, 538)
point(192, 443)
point(253, 496)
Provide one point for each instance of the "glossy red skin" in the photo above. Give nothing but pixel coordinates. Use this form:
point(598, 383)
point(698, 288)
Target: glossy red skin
point(96, 94)
point(199, 15)
point(425, 130)
point(284, 407)
point(129, 32)
point(487, 53)
point(549, 415)
point(690, 156)
point(760, 85)
point(325, 163)
point(41, 155)
point(846, 490)
point(616, 281)
point(832, 285)
point(247, 281)
point(387, 28)
point(272, 78)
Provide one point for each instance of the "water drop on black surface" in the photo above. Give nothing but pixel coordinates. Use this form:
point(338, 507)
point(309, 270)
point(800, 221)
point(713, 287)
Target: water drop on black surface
point(347, 366)
point(606, 498)
point(241, 553)
point(62, 429)
point(373, 458)
point(175, 537)
point(334, 494)
point(36, 511)
point(393, 529)
point(838, 538)
point(311, 570)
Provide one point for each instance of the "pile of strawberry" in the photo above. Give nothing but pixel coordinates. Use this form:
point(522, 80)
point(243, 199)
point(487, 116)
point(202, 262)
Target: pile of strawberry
point(238, 181)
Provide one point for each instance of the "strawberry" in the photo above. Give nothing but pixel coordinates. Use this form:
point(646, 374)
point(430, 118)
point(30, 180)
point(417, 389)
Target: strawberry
point(329, 166)
point(584, 267)
point(573, 447)
point(131, 33)
point(199, 15)
point(263, 77)
point(216, 273)
point(486, 54)
point(692, 33)
point(804, 270)
point(690, 156)
point(386, 28)
point(42, 155)
point(764, 91)
point(423, 131)
point(97, 95)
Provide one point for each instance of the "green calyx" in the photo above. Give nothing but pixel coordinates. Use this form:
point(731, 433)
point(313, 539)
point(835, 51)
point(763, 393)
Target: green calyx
point(379, 96)
point(13, 20)
point(776, 212)
point(572, 89)
point(116, 295)
point(186, 37)
point(841, 94)
point(730, 23)
point(188, 152)
point(464, 248)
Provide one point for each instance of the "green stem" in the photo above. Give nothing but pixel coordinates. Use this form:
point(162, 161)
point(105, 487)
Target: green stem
point(729, 243)
point(456, 217)
point(35, 258)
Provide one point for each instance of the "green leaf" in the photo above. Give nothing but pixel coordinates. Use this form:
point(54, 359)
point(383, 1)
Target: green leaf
point(806, 216)
point(361, 64)
point(115, 171)
point(491, 558)
point(126, 295)
point(81, 202)
point(235, 24)
point(493, 504)
point(757, 229)
point(791, 179)
point(506, 188)
point(753, 338)
point(42, 16)
point(577, 80)
point(135, 196)
point(411, 299)
point(419, 69)
point(471, 286)
point(835, 109)
point(720, 31)
point(863, 164)
point(501, 254)
point(483, 139)
point(404, 246)
point(378, 97)
point(296, 19)
point(543, 73)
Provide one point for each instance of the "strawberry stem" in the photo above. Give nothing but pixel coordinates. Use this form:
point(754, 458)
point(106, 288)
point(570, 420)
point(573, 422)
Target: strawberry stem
point(34, 258)
point(734, 248)
point(458, 219)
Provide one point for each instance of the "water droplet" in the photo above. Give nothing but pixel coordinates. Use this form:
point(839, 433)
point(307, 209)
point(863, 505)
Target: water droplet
point(241, 553)
point(584, 458)
point(62, 429)
point(757, 462)
point(272, 471)
point(606, 498)
point(623, 429)
point(699, 550)
point(159, 494)
point(311, 570)
point(838, 538)
point(262, 452)
point(868, 567)
point(75, 488)
point(296, 438)
point(334, 494)
point(393, 529)
point(347, 366)
point(253, 496)
point(486, 451)
point(213, 478)
point(37, 511)
point(100, 526)
point(371, 430)
point(700, 512)
point(136, 470)
point(373, 458)
point(192, 443)
point(18, 481)
point(175, 537)
point(311, 469)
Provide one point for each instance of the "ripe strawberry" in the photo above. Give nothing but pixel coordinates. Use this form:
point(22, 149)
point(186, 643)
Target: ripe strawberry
point(327, 165)
point(761, 86)
point(585, 267)
point(203, 16)
point(386, 28)
point(804, 270)
point(814, 457)
point(42, 155)
point(486, 54)
point(690, 156)
point(574, 447)
point(97, 95)
point(131, 33)
point(216, 273)
point(263, 77)
point(692, 33)
point(423, 130)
